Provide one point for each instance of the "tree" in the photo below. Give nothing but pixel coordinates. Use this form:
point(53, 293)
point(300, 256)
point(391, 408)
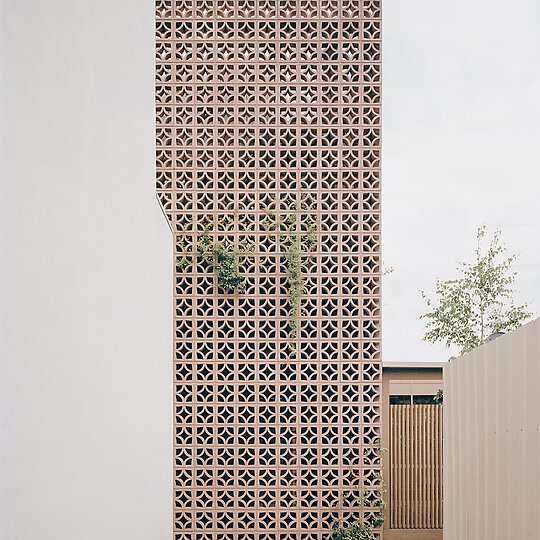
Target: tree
point(467, 310)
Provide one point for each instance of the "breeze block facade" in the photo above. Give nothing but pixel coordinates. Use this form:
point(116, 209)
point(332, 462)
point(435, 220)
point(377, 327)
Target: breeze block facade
point(268, 171)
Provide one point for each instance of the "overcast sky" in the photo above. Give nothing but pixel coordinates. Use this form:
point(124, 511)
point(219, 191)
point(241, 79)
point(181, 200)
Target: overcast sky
point(461, 147)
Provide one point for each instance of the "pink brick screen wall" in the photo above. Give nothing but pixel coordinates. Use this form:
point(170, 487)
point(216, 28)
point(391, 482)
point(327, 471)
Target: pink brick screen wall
point(269, 107)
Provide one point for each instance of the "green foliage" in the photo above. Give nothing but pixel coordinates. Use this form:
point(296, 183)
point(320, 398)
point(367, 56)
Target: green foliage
point(438, 397)
point(358, 530)
point(220, 256)
point(362, 528)
point(223, 261)
point(182, 263)
point(467, 310)
point(296, 233)
point(297, 285)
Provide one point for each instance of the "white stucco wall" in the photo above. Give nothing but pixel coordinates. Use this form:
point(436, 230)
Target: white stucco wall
point(85, 273)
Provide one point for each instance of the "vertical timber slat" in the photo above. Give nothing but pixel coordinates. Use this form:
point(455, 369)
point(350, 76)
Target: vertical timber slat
point(416, 466)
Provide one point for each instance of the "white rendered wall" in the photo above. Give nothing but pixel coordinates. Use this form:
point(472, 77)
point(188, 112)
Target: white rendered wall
point(492, 440)
point(85, 270)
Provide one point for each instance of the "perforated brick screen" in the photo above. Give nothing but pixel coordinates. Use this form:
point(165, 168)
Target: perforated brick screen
point(268, 109)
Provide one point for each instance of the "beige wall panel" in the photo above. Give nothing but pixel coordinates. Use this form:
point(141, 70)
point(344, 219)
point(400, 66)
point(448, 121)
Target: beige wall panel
point(492, 440)
point(416, 388)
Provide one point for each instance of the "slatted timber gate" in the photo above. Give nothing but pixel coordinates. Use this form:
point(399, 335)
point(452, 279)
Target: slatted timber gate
point(415, 483)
